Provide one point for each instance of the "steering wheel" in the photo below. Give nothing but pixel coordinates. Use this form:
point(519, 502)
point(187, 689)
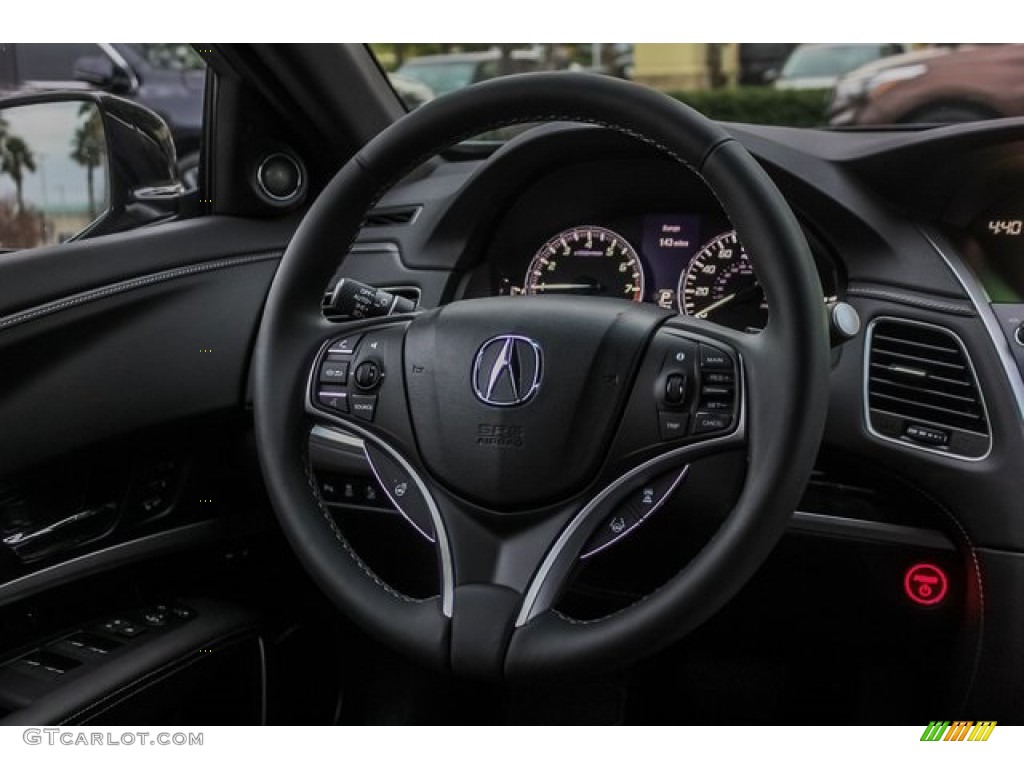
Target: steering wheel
point(520, 434)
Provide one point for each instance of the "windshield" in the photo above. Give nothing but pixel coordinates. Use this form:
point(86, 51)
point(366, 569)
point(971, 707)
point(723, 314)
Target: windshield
point(440, 77)
point(841, 85)
point(828, 60)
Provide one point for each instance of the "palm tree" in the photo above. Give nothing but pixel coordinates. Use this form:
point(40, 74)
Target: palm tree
point(88, 148)
point(15, 158)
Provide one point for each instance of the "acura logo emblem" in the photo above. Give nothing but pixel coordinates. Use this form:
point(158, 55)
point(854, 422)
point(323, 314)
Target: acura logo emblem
point(507, 370)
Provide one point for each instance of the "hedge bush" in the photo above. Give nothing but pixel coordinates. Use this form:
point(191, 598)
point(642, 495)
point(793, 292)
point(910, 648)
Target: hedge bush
point(759, 105)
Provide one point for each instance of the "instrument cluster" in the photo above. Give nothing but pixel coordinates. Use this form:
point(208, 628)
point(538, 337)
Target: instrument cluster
point(688, 262)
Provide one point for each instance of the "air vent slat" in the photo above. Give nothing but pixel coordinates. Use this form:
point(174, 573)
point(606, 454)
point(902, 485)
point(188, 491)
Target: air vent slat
point(912, 407)
point(936, 393)
point(921, 388)
point(392, 217)
point(924, 361)
point(888, 370)
point(882, 339)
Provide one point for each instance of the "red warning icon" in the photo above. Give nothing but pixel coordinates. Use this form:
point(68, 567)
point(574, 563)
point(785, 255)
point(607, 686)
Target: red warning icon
point(926, 584)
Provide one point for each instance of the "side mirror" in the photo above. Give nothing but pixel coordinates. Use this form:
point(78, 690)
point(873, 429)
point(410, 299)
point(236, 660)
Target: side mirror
point(76, 165)
point(770, 75)
point(103, 73)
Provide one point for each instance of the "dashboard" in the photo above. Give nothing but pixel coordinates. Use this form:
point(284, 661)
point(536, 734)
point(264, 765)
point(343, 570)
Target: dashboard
point(921, 232)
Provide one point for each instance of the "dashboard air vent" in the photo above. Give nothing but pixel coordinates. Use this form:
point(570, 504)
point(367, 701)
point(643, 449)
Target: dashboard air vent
point(922, 390)
point(392, 217)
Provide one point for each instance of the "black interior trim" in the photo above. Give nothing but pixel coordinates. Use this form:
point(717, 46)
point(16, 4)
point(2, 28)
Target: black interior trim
point(143, 281)
point(144, 548)
point(869, 530)
point(216, 626)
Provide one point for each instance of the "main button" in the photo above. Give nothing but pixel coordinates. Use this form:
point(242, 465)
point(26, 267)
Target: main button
point(710, 357)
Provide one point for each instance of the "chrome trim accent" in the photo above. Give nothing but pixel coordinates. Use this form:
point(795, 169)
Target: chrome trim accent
point(264, 701)
point(299, 181)
point(974, 376)
point(338, 429)
point(507, 364)
point(979, 299)
point(392, 499)
point(532, 606)
point(336, 436)
point(16, 540)
point(131, 284)
point(120, 60)
point(869, 530)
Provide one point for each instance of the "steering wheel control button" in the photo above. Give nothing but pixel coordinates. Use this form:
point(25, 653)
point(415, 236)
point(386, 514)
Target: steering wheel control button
point(367, 375)
point(612, 528)
point(680, 354)
point(652, 494)
point(925, 584)
point(364, 406)
point(712, 357)
point(401, 490)
point(715, 391)
point(710, 422)
point(359, 301)
point(718, 377)
point(335, 399)
point(672, 425)
point(346, 345)
point(675, 389)
point(334, 370)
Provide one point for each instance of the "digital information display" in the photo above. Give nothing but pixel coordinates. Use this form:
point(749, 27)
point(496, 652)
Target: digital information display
point(998, 261)
point(669, 242)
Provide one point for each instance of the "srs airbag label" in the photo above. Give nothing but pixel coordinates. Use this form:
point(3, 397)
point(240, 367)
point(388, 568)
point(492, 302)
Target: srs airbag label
point(500, 436)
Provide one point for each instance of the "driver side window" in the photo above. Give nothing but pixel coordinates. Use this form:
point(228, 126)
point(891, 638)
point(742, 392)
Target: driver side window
point(51, 63)
point(56, 183)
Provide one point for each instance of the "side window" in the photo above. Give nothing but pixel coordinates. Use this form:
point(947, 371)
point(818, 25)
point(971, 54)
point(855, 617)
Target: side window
point(523, 65)
point(69, 161)
point(486, 70)
point(51, 61)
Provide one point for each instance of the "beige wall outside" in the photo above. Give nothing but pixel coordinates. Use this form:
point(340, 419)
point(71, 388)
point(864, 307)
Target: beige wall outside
point(685, 66)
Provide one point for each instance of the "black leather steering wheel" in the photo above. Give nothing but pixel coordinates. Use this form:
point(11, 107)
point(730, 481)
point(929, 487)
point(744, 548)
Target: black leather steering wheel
point(515, 428)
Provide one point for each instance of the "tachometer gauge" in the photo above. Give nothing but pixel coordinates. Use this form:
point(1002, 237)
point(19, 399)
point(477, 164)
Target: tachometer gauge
point(588, 261)
point(720, 285)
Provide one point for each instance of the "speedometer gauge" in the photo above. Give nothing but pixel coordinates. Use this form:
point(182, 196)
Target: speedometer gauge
point(588, 261)
point(719, 284)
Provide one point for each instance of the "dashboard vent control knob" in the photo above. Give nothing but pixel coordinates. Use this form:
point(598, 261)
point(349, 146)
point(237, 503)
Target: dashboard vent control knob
point(843, 322)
